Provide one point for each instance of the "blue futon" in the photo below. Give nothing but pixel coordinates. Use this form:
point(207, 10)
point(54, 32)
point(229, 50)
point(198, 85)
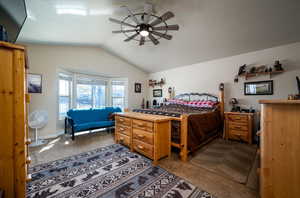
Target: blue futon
point(88, 119)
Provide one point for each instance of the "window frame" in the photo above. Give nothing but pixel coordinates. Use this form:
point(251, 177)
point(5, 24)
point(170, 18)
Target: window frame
point(125, 81)
point(70, 92)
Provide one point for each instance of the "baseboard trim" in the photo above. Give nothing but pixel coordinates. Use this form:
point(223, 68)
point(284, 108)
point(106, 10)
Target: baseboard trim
point(55, 135)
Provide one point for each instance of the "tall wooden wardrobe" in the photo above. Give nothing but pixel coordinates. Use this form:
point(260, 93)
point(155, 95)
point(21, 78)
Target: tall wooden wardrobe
point(280, 149)
point(13, 121)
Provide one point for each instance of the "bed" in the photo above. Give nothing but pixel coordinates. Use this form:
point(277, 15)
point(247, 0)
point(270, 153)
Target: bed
point(192, 125)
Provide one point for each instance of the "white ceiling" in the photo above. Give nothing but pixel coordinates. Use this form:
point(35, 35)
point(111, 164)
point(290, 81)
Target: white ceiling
point(209, 29)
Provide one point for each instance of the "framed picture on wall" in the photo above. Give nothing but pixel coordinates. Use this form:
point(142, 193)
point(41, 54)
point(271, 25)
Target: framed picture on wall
point(137, 87)
point(34, 83)
point(258, 88)
point(157, 93)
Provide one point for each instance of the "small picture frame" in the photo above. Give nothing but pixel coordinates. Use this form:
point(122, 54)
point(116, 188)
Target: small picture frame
point(258, 88)
point(157, 93)
point(137, 87)
point(34, 83)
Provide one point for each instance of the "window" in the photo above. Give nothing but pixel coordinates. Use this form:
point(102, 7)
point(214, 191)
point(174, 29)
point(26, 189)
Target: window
point(90, 93)
point(65, 90)
point(80, 91)
point(118, 93)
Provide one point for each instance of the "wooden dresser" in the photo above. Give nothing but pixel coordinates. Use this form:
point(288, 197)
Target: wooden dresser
point(149, 135)
point(280, 149)
point(239, 126)
point(13, 150)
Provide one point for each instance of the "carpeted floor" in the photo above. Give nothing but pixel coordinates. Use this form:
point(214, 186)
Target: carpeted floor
point(218, 185)
point(110, 171)
point(233, 160)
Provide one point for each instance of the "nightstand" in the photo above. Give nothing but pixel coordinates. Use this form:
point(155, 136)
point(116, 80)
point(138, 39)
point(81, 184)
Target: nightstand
point(239, 126)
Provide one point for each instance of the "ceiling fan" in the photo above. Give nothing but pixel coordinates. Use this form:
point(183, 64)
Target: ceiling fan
point(145, 26)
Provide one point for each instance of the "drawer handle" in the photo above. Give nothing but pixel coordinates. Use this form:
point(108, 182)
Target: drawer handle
point(237, 127)
point(141, 125)
point(122, 129)
point(28, 141)
point(140, 147)
point(141, 136)
point(28, 178)
point(28, 160)
point(121, 120)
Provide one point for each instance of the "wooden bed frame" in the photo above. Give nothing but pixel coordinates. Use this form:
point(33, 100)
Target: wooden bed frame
point(183, 146)
point(183, 119)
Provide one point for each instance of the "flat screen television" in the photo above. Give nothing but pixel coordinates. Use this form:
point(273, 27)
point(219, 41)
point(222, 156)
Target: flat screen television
point(12, 17)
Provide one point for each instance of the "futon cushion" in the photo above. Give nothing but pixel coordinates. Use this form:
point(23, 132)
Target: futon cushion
point(92, 125)
point(82, 116)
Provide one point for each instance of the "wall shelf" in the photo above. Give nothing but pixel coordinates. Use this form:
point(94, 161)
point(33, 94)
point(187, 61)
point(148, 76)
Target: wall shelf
point(251, 75)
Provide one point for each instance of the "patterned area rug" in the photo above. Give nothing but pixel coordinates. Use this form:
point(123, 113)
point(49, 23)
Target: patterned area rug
point(111, 171)
point(231, 159)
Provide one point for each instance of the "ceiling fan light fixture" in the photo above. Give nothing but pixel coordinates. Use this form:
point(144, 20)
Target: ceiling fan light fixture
point(144, 33)
point(145, 25)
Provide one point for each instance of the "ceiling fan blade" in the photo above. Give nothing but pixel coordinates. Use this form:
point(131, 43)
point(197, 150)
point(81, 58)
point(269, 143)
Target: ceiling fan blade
point(164, 17)
point(166, 36)
point(148, 11)
point(131, 37)
point(153, 39)
point(142, 40)
point(131, 15)
point(121, 31)
point(120, 22)
point(169, 27)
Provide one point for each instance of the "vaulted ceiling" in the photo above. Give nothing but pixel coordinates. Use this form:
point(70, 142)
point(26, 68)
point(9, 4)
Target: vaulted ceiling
point(209, 29)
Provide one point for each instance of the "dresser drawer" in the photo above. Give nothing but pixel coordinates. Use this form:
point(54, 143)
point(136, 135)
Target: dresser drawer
point(238, 118)
point(123, 129)
point(143, 136)
point(143, 148)
point(123, 121)
point(238, 135)
point(238, 126)
point(144, 125)
point(124, 139)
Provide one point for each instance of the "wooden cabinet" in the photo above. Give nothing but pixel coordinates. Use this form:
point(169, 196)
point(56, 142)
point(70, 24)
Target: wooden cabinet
point(239, 126)
point(280, 149)
point(13, 142)
point(149, 135)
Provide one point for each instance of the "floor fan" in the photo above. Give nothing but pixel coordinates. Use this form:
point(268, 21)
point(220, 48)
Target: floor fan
point(37, 120)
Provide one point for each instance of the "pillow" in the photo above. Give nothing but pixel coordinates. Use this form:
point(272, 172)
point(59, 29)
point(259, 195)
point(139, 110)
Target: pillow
point(202, 103)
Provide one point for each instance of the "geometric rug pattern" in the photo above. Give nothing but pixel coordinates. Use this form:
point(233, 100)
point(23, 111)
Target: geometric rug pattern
point(230, 159)
point(111, 171)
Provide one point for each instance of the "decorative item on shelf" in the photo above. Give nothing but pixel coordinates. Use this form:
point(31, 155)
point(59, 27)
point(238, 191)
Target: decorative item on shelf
point(278, 66)
point(298, 84)
point(34, 83)
point(236, 79)
point(143, 103)
point(157, 93)
point(242, 70)
point(137, 87)
point(153, 83)
point(261, 69)
point(258, 88)
point(234, 102)
point(3, 34)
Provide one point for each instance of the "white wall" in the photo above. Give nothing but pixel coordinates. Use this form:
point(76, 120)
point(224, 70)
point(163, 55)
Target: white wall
point(48, 60)
point(206, 76)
